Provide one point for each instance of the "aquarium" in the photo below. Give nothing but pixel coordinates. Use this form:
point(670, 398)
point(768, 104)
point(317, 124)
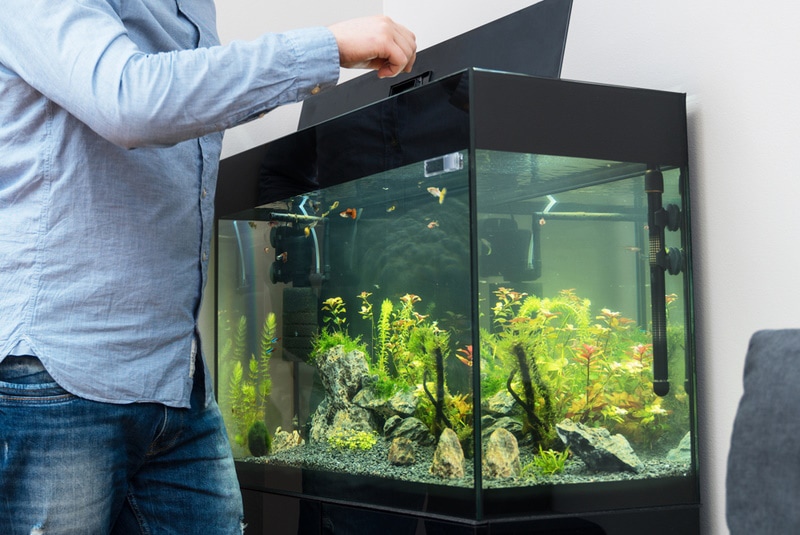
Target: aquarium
point(470, 301)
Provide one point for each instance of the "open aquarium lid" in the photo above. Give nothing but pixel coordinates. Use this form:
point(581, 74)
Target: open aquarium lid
point(529, 41)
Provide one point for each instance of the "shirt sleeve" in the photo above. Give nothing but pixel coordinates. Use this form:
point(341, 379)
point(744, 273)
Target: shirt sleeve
point(78, 54)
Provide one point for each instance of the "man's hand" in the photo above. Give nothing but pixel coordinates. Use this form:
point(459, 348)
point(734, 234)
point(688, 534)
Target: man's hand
point(376, 43)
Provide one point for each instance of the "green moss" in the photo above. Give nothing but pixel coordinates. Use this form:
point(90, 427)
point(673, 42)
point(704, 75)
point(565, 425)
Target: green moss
point(347, 439)
point(258, 440)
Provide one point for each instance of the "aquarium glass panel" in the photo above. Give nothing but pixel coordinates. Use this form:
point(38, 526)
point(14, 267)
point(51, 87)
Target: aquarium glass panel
point(566, 324)
point(345, 319)
point(346, 326)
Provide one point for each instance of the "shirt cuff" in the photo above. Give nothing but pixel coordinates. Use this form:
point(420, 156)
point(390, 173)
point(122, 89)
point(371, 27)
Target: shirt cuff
point(316, 52)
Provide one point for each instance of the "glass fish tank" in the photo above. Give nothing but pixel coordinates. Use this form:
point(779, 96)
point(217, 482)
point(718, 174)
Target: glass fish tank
point(468, 304)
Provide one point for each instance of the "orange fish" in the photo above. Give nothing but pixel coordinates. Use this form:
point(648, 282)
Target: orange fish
point(283, 257)
point(436, 192)
point(465, 355)
point(352, 213)
point(433, 224)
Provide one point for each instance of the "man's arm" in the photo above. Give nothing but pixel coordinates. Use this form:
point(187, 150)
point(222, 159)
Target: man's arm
point(79, 55)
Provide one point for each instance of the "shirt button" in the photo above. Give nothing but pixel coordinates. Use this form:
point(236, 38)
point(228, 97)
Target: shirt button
point(316, 90)
point(205, 257)
point(203, 193)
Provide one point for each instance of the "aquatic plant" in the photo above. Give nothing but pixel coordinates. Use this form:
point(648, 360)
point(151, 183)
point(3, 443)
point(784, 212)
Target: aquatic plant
point(410, 353)
point(547, 463)
point(336, 313)
point(540, 423)
point(258, 440)
point(592, 367)
point(586, 355)
point(349, 439)
point(325, 340)
point(366, 313)
point(381, 345)
point(248, 390)
point(440, 420)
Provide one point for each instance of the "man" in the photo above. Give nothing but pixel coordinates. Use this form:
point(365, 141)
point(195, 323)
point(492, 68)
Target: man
point(111, 116)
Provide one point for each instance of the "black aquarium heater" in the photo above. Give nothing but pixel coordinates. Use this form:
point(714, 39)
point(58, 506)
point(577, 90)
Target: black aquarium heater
point(661, 259)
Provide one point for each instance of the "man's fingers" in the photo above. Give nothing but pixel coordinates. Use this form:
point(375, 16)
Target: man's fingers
point(376, 43)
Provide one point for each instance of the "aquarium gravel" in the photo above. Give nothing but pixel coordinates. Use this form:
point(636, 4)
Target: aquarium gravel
point(373, 462)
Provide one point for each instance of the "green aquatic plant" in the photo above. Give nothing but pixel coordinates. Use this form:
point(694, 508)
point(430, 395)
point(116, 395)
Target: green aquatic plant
point(547, 463)
point(258, 440)
point(538, 422)
point(440, 420)
point(366, 313)
point(593, 367)
point(249, 388)
point(349, 439)
point(336, 313)
point(409, 353)
point(384, 334)
point(324, 340)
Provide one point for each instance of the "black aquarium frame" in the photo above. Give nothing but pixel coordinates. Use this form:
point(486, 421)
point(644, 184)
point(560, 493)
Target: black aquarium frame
point(529, 41)
point(514, 113)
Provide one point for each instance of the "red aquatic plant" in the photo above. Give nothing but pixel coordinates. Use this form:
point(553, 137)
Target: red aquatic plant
point(586, 355)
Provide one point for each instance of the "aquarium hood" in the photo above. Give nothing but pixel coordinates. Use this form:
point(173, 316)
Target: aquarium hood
point(529, 41)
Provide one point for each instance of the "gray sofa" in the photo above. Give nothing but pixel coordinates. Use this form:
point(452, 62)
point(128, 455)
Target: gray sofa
point(763, 477)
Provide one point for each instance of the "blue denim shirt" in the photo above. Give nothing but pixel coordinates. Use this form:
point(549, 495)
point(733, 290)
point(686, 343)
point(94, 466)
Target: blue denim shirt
point(111, 115)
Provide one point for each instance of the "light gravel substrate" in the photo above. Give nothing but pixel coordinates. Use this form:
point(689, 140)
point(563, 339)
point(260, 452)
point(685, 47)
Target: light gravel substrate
point(374, 462)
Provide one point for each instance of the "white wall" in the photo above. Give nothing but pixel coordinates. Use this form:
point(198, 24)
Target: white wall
point(740, 68)
point(245, 19)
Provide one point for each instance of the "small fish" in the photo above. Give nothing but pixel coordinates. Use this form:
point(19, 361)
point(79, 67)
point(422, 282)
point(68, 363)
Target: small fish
point(266, 249)
point(333, 207)
point(633, 248)
point(391, 208)
point(465, 355)
point(542, 222)
point(433, 224)
point(307, 228)
point(439, 193)
point(352, 213)
point(283, 257)
point(252, 224)
point(487, 246)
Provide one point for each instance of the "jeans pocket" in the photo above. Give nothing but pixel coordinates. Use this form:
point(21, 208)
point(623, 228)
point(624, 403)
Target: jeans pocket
point(25, 380)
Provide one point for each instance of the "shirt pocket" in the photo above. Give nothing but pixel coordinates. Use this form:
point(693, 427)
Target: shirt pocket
point(202, 14)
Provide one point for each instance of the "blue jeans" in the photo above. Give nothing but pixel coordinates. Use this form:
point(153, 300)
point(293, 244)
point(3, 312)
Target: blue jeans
point(73, 466)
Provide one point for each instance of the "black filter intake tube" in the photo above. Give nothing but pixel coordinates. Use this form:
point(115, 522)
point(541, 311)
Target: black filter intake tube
point(656, 220)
